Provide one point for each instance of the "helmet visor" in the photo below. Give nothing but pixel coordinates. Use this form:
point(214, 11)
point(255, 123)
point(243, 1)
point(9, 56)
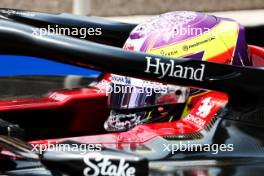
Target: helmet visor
point(130, 93)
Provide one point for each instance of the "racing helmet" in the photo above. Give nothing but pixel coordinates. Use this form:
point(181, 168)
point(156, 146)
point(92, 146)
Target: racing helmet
point(179, 34)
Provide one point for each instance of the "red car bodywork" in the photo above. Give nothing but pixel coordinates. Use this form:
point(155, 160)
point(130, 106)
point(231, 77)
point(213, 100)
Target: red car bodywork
point(90, 111)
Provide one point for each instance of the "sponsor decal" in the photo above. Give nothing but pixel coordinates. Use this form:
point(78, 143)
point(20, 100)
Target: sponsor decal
point(97, 164)
point(206, 106)
point(198, 43)
point(168, 53)
point(129, 46)
point(195, 120)
point(199, 115)
point(58, 97)
point(129, 81)
point(171, 69)
point(123, 80)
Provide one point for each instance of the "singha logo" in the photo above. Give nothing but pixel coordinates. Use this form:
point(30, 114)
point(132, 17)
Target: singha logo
point(205, 109)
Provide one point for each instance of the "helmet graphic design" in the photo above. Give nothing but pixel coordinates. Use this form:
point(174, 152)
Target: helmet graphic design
point(176, 34)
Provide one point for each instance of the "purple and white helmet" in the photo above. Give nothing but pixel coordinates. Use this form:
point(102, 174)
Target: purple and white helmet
point(177, 35)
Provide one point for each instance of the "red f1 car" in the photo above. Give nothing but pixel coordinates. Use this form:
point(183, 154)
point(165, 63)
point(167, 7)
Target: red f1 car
point(221, 132)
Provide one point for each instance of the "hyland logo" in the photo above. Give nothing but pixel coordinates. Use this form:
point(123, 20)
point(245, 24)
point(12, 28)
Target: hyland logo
point(97, 164)
point(173, 70)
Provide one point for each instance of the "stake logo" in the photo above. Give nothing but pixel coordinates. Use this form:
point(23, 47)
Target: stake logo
point(173, 70)
point(102, 165)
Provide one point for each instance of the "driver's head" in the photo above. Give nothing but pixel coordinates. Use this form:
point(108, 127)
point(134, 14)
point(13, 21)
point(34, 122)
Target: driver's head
point(176, 34)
